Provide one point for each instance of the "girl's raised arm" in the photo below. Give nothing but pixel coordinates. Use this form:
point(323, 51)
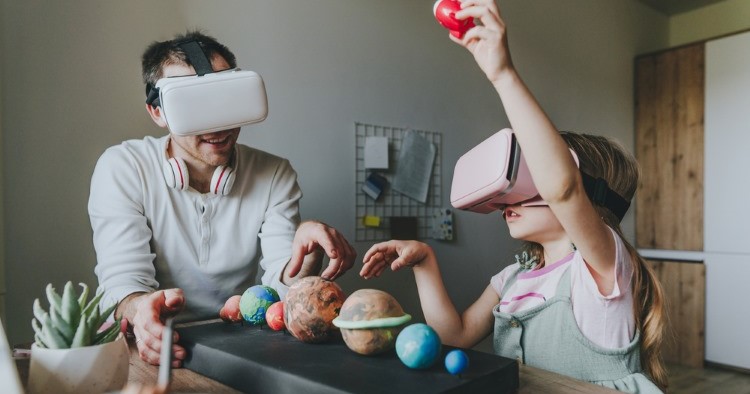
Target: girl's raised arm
point(552, 167)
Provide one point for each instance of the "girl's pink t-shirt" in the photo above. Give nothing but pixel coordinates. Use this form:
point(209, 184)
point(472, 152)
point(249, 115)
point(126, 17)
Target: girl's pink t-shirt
point(605, 319)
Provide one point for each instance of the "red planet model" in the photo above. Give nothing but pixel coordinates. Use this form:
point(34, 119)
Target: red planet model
point(275, 316)
point(230, 312)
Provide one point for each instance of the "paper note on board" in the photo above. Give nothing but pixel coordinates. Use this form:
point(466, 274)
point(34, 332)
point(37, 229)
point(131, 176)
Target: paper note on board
point(414, 167)
point(376, 152)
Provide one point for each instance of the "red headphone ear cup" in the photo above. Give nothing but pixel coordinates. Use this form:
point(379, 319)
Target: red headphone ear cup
point(222, 180)
point(176, 173)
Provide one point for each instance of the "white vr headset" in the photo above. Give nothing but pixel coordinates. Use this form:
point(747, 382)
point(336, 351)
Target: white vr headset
point(209, 101)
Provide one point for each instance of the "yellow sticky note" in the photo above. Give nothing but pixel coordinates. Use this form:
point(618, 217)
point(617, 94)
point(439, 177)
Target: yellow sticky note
point(371, 221)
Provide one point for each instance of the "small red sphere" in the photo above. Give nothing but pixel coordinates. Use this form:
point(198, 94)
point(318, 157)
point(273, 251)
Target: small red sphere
point(275, 316)
point(230, 312)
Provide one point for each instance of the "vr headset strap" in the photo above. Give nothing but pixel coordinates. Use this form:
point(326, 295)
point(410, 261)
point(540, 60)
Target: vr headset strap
point(152, 95)
point(197, 59)
point(600, 194)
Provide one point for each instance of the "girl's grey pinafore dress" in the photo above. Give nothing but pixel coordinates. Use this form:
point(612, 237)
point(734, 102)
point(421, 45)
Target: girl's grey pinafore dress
point(547, 337)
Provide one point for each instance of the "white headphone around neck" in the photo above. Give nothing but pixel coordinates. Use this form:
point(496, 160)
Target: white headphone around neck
point(176, 175)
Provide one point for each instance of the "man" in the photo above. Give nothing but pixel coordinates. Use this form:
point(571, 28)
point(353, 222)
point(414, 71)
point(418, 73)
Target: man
point(168, 241)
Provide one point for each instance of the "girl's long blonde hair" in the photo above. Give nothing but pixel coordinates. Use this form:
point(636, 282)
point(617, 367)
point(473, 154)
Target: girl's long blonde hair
point(601, 157)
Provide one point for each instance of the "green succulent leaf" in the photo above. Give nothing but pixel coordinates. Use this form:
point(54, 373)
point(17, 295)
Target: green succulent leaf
point(55, 302)
point(104, 315)
point(92, 304)
point(84, 295)
point(66, 330)
point(51, 336)
point(38, 310)
point(71, 311)
point(91, 322)
point(35, 325)
point(83, 335)
point(109, 334)
point(37, 333)
point(39, 342)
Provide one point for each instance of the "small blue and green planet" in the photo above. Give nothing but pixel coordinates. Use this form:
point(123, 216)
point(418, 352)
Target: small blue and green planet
point(254, 303)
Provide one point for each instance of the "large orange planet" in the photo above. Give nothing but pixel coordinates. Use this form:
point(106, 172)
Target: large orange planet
point(310, 307)
point(370, 321)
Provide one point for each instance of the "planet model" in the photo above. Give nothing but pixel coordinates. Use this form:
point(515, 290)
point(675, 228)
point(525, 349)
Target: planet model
point(310, 307)
point(254, 303)
point(418, 346)
point(456, 362)
point(230, 312)
point(370, 320)
point(275, 316)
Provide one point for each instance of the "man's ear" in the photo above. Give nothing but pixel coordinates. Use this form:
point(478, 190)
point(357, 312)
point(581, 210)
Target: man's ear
point(155, 113)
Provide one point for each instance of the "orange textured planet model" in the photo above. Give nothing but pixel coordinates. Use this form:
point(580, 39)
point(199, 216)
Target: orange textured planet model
point(310, 307)
point(370, 321)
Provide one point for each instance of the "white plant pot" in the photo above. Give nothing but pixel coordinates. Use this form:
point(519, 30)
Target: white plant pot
point(91, 369)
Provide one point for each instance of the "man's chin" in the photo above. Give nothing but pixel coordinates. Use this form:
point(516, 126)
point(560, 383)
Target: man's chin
point(216, 162)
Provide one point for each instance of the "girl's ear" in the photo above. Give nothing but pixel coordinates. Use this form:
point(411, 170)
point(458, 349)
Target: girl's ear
point(155, 113)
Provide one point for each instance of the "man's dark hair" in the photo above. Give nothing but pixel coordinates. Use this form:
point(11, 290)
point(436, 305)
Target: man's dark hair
point(162, 53)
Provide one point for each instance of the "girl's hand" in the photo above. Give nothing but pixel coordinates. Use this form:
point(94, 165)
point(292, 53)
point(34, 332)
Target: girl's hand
point(397, 254)
point(488, 41)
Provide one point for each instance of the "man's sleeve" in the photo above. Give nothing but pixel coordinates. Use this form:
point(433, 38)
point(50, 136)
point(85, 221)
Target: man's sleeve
point(279, 226)
point(121, 232)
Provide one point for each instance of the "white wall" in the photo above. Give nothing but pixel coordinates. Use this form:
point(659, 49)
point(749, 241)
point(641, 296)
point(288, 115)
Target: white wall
point(71, 88)
point(2, 237)
point(725, 194)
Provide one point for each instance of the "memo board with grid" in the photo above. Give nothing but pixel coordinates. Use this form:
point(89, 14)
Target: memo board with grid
point(392, 203)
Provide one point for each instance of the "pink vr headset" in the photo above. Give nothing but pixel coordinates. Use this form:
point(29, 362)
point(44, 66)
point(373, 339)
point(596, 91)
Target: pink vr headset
point(493, 175)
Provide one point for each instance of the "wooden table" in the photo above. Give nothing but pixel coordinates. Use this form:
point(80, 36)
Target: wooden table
point(535, 380)
point(532, 380)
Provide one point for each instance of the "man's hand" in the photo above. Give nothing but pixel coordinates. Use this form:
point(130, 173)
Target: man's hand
point(310, 238)
point(145, 312)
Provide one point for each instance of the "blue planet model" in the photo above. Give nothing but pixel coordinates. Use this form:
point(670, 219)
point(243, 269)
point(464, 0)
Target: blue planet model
point(456, 362)
point(418, 346)
point(254, 303)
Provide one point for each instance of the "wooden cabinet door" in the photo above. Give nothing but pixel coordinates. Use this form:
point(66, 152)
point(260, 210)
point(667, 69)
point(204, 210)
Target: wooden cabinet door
point(669, 96)
point(685, 292)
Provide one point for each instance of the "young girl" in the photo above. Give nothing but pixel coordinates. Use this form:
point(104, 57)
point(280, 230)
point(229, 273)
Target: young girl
point(582, 302)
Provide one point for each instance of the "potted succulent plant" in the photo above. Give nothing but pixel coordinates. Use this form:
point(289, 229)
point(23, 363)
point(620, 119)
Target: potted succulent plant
point(71, 353)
